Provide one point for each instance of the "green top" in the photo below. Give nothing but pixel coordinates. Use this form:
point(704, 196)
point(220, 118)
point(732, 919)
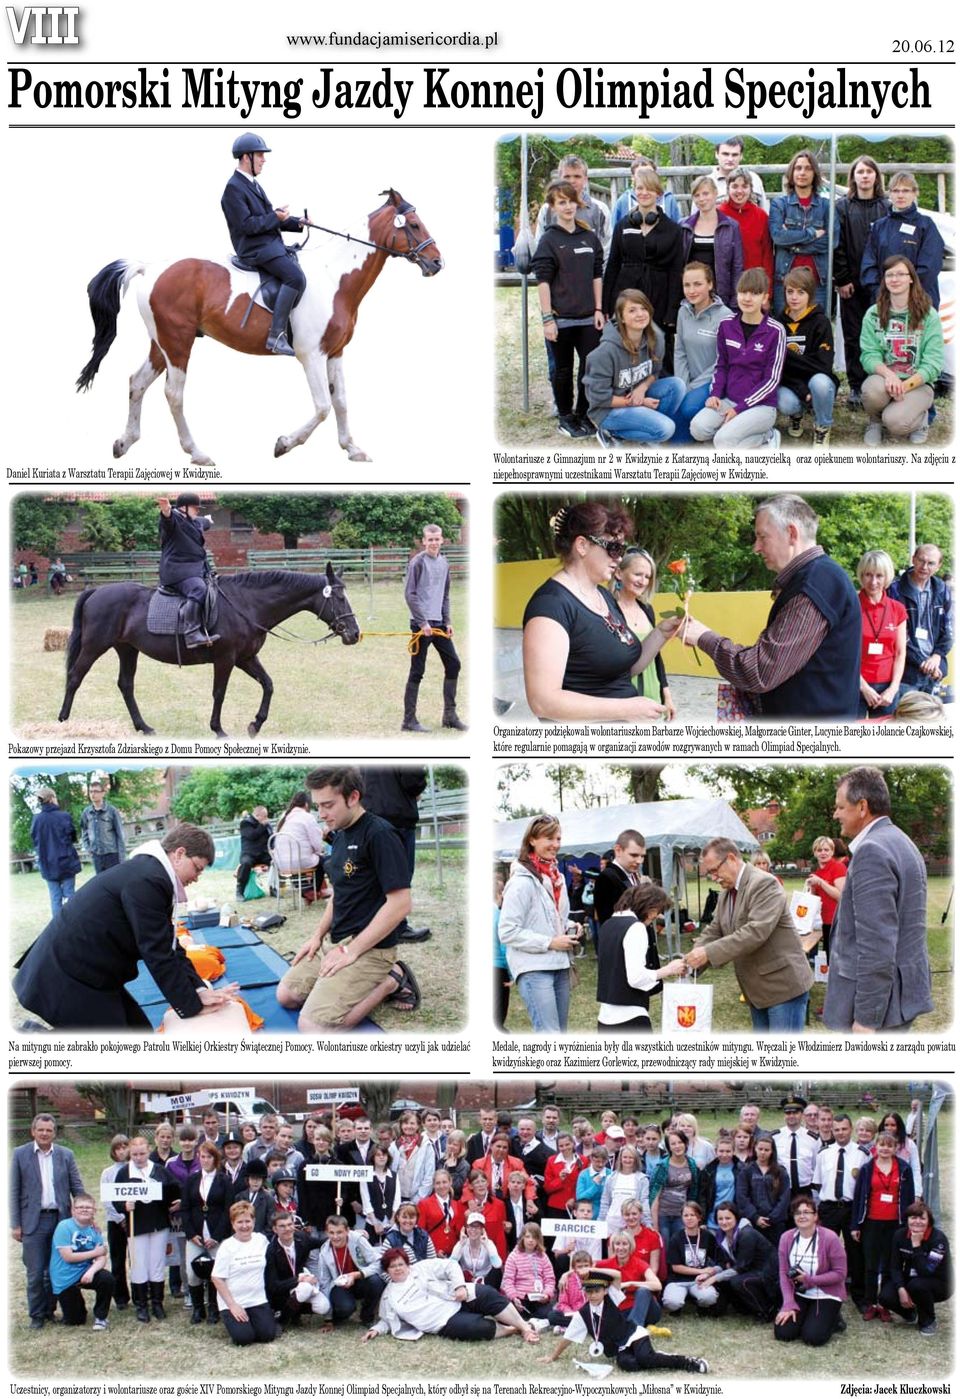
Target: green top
point(647, 682)
point(906, 351)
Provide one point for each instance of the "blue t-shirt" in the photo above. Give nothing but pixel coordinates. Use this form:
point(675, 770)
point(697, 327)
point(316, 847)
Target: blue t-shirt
point(726, 1191)
point(79, 1237)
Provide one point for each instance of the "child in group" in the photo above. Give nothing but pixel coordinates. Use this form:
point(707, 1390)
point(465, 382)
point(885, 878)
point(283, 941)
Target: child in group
point(78, 1260)
point(695, 350)
point(570, 1294)
point(901, 349)
point(808, 377)
point(528, 1277)
point(283, 1183)
point(567, 1246)
point(613, 1335)
point(568, 266)
point(652, 1148)
point(741, 410)
point(148, 1228)
point(628, 395)
point(116, 1232)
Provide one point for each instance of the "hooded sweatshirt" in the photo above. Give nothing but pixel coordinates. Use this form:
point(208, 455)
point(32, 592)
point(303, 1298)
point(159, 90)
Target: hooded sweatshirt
point(613, 370)
point(695, 349)
point(809, 349)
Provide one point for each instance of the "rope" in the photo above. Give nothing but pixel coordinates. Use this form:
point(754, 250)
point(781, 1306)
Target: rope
point(413, 641)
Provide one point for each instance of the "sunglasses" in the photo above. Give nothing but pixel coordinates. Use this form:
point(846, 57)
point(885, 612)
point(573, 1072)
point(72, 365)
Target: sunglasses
point(614, 547)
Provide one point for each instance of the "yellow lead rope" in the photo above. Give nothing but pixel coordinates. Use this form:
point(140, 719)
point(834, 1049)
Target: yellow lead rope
point(413, 640)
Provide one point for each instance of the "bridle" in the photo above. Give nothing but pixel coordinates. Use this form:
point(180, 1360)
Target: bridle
point(413, 252)
point(284, 634)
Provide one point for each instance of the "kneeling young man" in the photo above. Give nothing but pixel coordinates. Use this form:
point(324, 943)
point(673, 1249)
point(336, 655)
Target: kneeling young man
point(371, 898)
point(78, 1259)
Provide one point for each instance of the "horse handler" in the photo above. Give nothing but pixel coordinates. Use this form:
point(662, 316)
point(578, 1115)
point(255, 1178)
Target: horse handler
point(183, 561)
point(427, 594)
point(371, 898)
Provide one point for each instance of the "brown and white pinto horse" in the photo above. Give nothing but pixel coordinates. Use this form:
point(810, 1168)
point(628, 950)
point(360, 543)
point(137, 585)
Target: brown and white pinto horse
point(193, 297)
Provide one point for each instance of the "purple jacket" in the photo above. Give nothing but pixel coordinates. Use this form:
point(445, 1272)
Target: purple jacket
point(727, 255)
point(748, 370)
point(832, 1261)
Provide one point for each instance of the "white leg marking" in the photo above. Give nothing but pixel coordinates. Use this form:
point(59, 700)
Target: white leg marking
point(176, 379)
point(315, 368)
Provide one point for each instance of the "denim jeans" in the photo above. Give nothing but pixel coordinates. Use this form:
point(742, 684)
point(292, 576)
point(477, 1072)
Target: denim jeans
point(649, 424)
point(788, 1016)
point(646, 1308)
point(546, 996)
point(693, 401)
point(823, 392)
point(60, 890)
point(668, 1227)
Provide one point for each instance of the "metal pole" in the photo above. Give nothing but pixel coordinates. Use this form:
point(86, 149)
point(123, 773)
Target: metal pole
point(524, 327)
point(831, 220)
point(371, 581)
point(435, 822)
point(913, 524)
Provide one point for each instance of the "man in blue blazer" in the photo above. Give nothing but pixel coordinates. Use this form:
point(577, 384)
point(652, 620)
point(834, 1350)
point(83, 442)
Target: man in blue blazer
point(255, 227)
point(43, 1178)
point(879, 975)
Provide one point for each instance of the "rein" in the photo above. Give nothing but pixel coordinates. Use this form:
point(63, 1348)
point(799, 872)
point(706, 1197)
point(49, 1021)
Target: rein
point(412, 251)
point(286, 635)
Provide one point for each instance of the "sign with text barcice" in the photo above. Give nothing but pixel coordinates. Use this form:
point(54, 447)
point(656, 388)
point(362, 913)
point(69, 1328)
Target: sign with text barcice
point(584, 1228)
point(174, 1102)
point(131, 1190)
point(316, 1096)
point(338, 1172)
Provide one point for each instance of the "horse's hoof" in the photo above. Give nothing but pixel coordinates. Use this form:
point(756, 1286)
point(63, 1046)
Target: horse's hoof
point(253, 728)
point(199, 459)
point(146, 729)
point(358, 454)
point(219, 733)
point(281, 447)
point(119, 447)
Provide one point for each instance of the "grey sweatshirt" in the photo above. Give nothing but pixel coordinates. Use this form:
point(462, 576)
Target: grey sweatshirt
point(695, 348)
point(612, 370)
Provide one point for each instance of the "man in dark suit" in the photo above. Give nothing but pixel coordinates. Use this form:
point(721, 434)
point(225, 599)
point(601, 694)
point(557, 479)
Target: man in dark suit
point(285, 1272)
point(532, 1153)
point(74, 975)
point(255, 233)
point(43, 1178)
point(879, 965)
point(620, 873)
point(479, 1143)
point(753, 930)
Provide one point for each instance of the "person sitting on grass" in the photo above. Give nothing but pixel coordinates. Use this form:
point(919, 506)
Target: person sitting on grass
point(612, 1334)
point(238, 1276)
point(78, 1259)
point(808, 380)
point(407, 1234)
point(433, 1298)
point(901, 349)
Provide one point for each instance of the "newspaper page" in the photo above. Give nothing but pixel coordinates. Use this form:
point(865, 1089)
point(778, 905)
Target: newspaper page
point(444, 450)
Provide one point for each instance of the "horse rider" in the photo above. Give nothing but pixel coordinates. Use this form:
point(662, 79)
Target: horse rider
point(255, 233)
point(183, 561)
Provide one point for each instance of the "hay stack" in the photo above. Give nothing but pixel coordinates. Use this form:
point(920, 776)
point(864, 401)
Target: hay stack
point(56, 638)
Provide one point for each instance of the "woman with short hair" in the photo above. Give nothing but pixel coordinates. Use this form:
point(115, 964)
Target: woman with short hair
point(921, 1271)
point(883, 649)
point(238, 1278)
point(813, 1271)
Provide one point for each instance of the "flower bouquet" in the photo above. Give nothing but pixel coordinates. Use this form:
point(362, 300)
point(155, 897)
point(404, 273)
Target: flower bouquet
point(682, 581)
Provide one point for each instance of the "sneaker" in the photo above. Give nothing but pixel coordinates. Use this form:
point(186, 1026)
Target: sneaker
point(773, 439)
point(606, 439)
point(821, 437)
point(100, 1323)
point(919, 435)
point(796, 425)
point(871, 1313)
point(568, 426)
point(883, 1314)
point(540, 1323)
point(930, 1329)
point(873, 437)
point(854, 400)
point(701, 1366)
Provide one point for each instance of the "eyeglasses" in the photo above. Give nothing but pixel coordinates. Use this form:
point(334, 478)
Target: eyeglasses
point(199, 866)
point(712, 873)
point(614, 547)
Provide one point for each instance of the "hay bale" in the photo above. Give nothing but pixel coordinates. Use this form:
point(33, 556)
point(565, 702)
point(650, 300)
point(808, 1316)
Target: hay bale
point(56, 638)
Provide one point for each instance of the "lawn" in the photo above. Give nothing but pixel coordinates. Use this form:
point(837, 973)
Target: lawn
point(537, 428)
point(732, 1345)
point(321, 691)
point(730, 1015)
point(439, 907)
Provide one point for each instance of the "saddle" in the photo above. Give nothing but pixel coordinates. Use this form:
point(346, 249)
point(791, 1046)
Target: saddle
point(164, 611)
point(266, 293)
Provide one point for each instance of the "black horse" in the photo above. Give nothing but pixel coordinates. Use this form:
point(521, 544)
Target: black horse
point(250, 605)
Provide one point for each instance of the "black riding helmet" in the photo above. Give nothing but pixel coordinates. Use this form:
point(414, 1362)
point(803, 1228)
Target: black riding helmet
point(187, 498)
point(249, 144)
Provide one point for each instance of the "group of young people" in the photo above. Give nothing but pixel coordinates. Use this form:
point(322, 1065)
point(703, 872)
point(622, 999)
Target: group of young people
point(708, 328)
point(446, 1236)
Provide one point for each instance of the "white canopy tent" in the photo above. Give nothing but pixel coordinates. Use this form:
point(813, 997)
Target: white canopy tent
point(673, 828)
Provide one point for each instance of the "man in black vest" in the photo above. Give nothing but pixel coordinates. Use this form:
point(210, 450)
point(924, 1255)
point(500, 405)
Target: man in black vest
point(255, 227)
point(806, 662)
point(613, 1334)
point(183, 561)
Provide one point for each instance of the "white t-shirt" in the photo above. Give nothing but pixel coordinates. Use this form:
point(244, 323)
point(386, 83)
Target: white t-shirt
point(240, 1266)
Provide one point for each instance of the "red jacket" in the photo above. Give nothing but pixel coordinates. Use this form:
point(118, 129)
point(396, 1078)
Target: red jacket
point(559, 1191)
point(495, 1215)
point(511, 1163)
point(443, 1231)
point(754, 235)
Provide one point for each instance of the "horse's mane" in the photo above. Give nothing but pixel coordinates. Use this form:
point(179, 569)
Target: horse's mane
point(267, 577)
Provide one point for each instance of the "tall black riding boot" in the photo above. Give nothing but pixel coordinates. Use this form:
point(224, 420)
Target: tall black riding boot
point(156, 1301)
point(451, 719)
point(213, 1310)
point(194, 632)
point(141, 1296)
point(199, 1313)
point(277, 342)
point(410, 721)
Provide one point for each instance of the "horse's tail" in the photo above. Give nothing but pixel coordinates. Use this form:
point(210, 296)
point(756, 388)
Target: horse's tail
point(104, 292)
point(76, 631)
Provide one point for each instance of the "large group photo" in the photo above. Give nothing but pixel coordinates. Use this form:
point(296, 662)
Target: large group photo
point(691, 900)
point(583, 1228)
point(749, 292)
point(204, 902)
point(659, 607)
point(290, 615)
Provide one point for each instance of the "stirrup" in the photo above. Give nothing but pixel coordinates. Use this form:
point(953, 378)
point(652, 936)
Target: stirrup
point(279, 345)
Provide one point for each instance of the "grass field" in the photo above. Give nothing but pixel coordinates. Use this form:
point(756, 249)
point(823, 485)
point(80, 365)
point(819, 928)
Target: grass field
point(731, 1016)
point(732, 1345)
point(536, 427)
point(436, 907)
point(320, 691)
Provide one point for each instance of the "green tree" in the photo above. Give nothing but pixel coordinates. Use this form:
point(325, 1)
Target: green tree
point(387, 520)
point(290, 515)
point(117, 1102)
point(644, 783)
point(132, 791)
point(124, 522)
point(209, 794)
point(39, 521)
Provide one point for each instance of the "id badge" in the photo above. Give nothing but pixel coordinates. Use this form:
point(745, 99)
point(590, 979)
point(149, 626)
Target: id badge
point(886, 1199)
point(921, 634)
point(875, 648)
point(908, 228)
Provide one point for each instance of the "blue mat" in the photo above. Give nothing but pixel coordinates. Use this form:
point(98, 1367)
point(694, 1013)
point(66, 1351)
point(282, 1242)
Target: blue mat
point(250, 962)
